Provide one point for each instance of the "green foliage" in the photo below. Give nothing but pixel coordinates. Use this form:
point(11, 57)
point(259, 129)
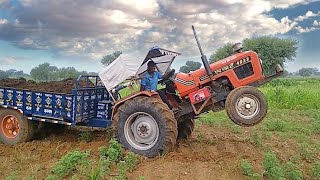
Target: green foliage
point(3, 75)
point(85, 136)
point(131, 161)
point(272, 166)
point(104, 165)
point(68, 163)
point(246, 167)
point(122, 167)
point(12, 176)
point(44, 72)
point(316, 170)
point(200, 137)
point(12, 73)
point(292, 171)
point(305, 72)
point(248, 171)
point(108, 59)
point(113, 152)
point(190, 66)
point(221, 53)
point(101, 171)
point(297, 94)
point(235, 129)
point(141, 178)
point(257, 139)
point(271, 50)
point(275, 125)
point(68, 72)
point(305, 151)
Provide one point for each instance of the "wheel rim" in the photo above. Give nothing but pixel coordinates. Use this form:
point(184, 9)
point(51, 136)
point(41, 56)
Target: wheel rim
point(141, 131)
point(247, 106)
point(10, 126)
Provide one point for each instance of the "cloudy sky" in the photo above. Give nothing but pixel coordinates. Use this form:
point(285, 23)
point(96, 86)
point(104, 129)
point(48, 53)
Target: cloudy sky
point(79, 32)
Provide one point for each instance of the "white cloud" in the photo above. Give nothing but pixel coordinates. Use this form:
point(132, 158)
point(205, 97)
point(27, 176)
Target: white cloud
point(316, 23)
point(3, 21)
point(305, 30)
point(93, 29)
point(306, 16)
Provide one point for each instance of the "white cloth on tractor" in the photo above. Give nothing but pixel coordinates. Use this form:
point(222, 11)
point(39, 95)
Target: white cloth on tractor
point(132, 66)
point(119, 70)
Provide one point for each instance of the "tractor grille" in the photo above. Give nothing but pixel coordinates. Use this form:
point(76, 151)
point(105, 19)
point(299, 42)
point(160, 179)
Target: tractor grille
point(244, 71)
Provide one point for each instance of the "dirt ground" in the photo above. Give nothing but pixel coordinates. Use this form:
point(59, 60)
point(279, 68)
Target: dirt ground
point(216, 156)
point(64, 86)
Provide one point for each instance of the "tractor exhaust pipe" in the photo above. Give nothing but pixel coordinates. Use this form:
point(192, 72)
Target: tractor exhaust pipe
point(206, 65)
point(203, 57)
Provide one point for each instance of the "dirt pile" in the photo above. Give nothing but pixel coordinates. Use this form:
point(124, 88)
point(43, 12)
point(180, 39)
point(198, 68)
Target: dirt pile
point(64, 86)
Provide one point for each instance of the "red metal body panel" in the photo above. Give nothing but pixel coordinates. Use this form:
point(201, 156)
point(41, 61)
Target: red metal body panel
point(188, 83)
point(200, 95)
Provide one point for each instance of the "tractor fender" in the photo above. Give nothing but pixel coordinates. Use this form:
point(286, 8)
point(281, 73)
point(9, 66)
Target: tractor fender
point(141, 93)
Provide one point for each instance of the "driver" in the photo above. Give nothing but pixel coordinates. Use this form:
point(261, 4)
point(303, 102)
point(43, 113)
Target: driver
point(150, 82)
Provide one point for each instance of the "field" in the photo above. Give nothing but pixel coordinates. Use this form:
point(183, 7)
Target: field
point(286, 145)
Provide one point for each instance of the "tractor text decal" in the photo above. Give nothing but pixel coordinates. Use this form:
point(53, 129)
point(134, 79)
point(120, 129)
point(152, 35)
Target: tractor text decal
point(225, 68)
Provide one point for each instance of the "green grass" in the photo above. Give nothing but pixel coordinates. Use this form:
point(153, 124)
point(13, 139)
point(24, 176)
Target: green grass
point(85, 165)
point(68, 163)
point(272, 167)
point(297, 94)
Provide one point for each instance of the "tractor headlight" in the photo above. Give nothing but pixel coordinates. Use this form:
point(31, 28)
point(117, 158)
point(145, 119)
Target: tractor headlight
point(260, 61)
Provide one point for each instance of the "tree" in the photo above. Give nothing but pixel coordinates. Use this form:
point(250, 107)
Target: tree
point(315, 71)
point(190, 66)
point(44, 72)
point(69, 72)
point(3, 75)
point(221, 53)
point(305, 72)
point(271, 50)
point(106, 60)
point(15, 73)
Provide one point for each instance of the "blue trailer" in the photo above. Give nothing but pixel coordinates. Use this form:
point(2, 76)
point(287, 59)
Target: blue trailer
point(89, 104)
point(92, 102)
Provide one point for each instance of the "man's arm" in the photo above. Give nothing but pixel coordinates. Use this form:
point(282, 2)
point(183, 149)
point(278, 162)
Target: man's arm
point(143, 84)
point(142, 87)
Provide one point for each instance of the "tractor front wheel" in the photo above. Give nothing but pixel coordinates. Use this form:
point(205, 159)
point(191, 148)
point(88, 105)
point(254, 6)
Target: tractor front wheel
point(146, 126)
point(246, 106)
point(14, 128)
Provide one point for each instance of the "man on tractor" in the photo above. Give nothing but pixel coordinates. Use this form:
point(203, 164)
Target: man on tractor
point(150, 82)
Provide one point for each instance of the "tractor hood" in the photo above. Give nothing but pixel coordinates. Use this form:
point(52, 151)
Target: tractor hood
point(127, 67)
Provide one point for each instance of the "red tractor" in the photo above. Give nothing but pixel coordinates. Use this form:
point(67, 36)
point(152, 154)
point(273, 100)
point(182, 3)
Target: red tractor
point(146, 126)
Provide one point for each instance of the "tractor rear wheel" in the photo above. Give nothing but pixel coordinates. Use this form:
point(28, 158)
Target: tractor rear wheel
point(146, 126)
point(185, 128)
point(246, 106)
point(14, 128)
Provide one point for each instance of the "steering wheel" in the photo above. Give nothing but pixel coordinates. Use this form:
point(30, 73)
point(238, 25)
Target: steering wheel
point(168, 77)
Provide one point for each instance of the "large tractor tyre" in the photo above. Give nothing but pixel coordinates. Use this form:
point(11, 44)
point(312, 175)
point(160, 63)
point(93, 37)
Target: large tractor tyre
point(14, 128)
point(185, 129)
point(246, 106)
point(146, 126)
